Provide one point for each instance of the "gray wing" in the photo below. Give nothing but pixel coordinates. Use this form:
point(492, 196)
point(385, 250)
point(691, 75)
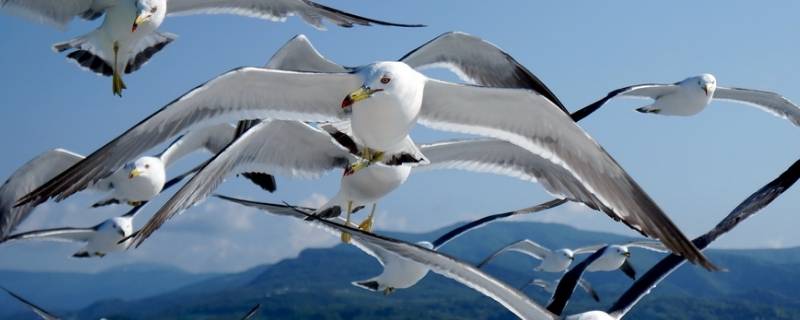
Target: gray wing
point(38, 310)
point(771, 102)
point(648, 90)
point(588, 249)
point(250, 314)
point(276, 10)
point(750, 206)
point(283, 147)
point(212, 139)
point(511, 298)
point(303, 213)
point(30, 176)
point(56, 12)
point(648, 245)
point(504, 158)
point(534, 123)
point(57, 234)
point(525, 246)
point(300, 55)
point(244, 93)
point(477, 61)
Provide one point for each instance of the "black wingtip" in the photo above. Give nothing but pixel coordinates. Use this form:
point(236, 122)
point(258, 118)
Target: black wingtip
point(263, 180)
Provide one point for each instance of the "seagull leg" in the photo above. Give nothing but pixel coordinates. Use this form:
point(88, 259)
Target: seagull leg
point(116, 80)
point(368, 223)
point(346, 236)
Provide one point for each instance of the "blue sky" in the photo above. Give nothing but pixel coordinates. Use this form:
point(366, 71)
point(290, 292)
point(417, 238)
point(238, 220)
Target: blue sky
point(696, 168)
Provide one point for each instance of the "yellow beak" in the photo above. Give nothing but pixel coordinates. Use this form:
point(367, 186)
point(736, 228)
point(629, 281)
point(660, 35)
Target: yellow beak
point(142, 18)
point(358, 95)
point(627, 254)
point(134, 173)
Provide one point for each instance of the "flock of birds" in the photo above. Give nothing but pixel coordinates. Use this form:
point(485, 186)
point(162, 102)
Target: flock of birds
point(303, 115)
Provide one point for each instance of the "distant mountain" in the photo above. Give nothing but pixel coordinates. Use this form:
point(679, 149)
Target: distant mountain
point(59, 291)
point(316, 285)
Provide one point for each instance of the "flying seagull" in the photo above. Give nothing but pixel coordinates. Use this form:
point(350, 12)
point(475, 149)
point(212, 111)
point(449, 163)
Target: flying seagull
point(134, 183)
point(108, 236)
point(272, 146)
point(44, 314)
point(398, 273)
point(691, 95)
point(383, 101)
point(642, 287)
point(128, 37)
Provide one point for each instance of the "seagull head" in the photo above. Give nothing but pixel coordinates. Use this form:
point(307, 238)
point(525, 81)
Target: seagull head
point(566, 254)
point(386, 78)
point(147, 168)
point(118, 225)
point(145, 11)
point(621, 251)
point(705, 82)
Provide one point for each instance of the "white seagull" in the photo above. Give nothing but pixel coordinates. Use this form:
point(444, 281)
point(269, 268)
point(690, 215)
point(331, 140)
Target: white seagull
point(386, 100)
point(108, 236)
point(551, 261)
point(42, 313)
point(642, 287)
point(127, 39)
point(398, 273)
point(691, 95)
point(617, 257)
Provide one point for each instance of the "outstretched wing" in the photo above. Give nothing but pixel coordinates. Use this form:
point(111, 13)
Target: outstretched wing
point(278, 146)
point(588, 249)
point(771, 102)
point(38, 310)
point(571, 279)
point(27, 178)
point(649, 90)
point(525, 246)
point(648, 245)
point(57, 234)
point(534, 123)
point(277, 10)
point(477, 61)
point(57, 13)
point(212, 139)
point(245, 93)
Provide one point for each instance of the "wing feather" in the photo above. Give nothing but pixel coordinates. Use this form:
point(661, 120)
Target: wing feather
point(771, 102)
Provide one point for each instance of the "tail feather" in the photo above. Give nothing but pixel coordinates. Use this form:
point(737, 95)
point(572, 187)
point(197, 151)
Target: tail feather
point(649, 109)
point(85, 55)
point(151, 45)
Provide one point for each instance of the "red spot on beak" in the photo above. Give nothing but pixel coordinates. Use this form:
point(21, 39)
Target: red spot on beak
point(133, 28)
point(347, 102)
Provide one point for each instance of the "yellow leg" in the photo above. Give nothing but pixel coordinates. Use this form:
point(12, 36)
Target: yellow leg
point(116, 79)
point(346, 236)
point(369, 222)
point(368, 157)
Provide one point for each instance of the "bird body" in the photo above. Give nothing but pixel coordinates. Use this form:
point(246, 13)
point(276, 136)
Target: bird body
point(367, 186)
point(556, 261)
point(106, 238)
point(690, 96)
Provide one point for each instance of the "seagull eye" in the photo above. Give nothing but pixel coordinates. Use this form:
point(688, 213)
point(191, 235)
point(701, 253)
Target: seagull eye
point(154, 10)
point(385, 80)
point(147, 166)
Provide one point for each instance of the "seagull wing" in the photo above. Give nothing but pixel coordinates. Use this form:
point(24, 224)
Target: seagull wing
point(245, 93)
point(571, 279)
point(250, 314)
point(56, 13)
point(534, 123)
point(588, 249)
point(452, 234)
point(211, 138)
point(295, 212)
point(511, 298)
point(27, 178)
point(649, 245)
point(477, 61)
point(771, 102)
point(279, 146)
point(298, 54)
point(38, 310)
point(505, 158)
point(57, 234)
point(525, 246)
point(750, 206)
point(276, 10)
point(649, 90)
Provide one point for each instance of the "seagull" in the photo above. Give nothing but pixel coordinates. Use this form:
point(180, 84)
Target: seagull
point(642, 287)
point(128, 36)
point(691, 96)
point(550, 286)
point(383, 101)
point(398, 273)
point(108, 236)
point(617, 257)
point(134, 183)
point(552, 261)
point(44, 314)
